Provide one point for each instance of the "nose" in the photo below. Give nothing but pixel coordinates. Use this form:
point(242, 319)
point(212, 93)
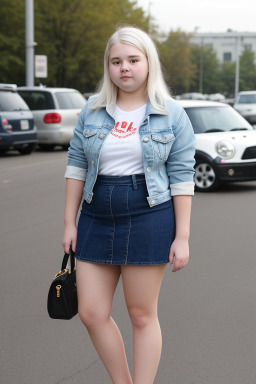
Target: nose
point(124, 67)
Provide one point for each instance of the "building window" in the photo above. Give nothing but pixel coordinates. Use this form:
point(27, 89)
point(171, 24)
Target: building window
point(227, 56)
point(248, 47)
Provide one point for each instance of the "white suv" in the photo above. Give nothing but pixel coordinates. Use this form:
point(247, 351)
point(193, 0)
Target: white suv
point(245, 104)
point(225, 144)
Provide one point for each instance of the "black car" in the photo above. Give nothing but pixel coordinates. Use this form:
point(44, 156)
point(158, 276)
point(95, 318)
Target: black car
point(17, 130)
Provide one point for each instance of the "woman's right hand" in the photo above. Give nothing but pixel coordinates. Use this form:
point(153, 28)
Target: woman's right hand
point(69, 237)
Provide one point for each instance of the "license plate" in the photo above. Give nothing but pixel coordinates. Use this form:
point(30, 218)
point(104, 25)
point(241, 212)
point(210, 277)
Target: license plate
point(24, 125)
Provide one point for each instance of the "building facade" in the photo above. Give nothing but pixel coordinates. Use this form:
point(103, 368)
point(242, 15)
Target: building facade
point(227, 45)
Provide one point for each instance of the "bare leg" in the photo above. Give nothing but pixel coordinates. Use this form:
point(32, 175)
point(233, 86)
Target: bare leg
point(96, 285)
point(141, 288)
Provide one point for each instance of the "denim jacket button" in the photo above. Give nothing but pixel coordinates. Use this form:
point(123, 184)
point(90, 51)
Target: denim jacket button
point(146, 139)
point(92, 162)
point(101, 136)
point(153, 202)
point(148, 169)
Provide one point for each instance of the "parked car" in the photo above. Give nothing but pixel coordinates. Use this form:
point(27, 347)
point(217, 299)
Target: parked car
point(192, 96)
point(55, 112)
point(225, 144)
point(17, 130)
point(245, 104)
point(215, 97)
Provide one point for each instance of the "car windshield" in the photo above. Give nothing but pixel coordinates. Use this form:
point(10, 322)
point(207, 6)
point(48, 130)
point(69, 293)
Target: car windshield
point(247, 99)
point(11, 101)
point(70, 100)
point(37, 100)
point(216, 119)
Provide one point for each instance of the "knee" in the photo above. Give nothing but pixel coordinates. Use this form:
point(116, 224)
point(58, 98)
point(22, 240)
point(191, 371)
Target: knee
point(140, 318)
point(91, 317)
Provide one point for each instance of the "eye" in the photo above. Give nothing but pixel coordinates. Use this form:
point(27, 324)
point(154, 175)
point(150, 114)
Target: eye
point(116, 62)
point(133, 61)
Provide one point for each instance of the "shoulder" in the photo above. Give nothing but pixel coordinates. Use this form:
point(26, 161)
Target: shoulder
point(92, 99)
point(91, 115)
point(176, 112)
point(177, 117)
point(88, 108)
point(173, 106)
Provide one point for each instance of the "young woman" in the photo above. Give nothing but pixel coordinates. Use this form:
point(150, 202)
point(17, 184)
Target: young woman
point(131, 162)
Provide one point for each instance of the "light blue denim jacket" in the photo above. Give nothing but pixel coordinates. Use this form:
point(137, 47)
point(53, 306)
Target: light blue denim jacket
point(168, 147)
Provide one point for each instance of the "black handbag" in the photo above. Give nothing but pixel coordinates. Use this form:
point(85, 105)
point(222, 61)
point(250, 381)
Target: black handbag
point(62, 296)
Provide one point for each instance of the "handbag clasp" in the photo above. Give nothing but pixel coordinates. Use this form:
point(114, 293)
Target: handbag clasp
point(58, 287)
point(60, 273)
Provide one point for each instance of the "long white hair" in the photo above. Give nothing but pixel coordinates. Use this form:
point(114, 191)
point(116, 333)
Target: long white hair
point(156, 87)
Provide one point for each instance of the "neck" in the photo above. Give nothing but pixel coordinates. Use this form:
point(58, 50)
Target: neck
point(128, 101)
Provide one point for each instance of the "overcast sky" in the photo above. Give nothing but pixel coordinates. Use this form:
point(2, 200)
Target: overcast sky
point(207, 15)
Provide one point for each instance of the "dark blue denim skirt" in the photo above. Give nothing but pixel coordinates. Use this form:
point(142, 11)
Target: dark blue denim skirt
point(118, 227)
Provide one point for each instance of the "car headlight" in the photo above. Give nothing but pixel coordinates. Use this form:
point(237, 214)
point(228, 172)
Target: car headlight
point(225, 149)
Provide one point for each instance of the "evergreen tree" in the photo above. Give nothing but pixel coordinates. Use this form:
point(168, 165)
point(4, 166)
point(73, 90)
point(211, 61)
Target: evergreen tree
point(247, 71)
point(206, 78)
point(176, 56)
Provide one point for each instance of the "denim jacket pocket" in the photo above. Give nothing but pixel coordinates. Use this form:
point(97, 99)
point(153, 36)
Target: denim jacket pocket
point(90, 137)
point(90, 132)
point(162, 143)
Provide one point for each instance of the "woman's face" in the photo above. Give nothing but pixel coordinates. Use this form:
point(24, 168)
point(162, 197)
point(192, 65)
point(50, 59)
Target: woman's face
point(128, 68)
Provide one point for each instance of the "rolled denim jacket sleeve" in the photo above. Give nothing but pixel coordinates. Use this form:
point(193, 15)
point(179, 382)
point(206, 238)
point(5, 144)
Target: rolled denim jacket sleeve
point(181, 160)
point(77, 163)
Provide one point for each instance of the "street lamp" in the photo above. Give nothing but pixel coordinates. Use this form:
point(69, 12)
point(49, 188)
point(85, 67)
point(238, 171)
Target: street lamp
point(30, 44)
point(237, 65)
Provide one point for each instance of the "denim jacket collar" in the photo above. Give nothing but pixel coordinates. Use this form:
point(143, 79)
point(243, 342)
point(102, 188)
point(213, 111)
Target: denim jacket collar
point(150, 110)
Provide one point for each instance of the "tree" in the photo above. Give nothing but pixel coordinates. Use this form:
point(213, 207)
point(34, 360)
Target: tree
point(176, 56)
point(227, 75)
point(12, 44)
point(206, 78)
point(73, 35)
point(247, 71)
point(247, 74)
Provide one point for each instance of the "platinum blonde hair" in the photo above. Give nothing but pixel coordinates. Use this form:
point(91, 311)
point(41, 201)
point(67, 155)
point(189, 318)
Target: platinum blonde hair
point(156, 87)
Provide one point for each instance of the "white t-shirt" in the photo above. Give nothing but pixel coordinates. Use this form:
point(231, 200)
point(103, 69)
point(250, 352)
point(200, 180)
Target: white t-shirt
point(121, 153)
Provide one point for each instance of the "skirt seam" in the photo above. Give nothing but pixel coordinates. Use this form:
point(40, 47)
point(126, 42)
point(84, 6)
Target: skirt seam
point(114, 223)
point(82, 246)
point(129, 230)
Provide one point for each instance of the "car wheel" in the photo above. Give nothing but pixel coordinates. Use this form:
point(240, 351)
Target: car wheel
point(205, 177)
point(46, 147)
point(26, 150)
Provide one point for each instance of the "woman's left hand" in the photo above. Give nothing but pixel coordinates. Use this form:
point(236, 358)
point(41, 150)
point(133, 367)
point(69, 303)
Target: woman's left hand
point(179, 254)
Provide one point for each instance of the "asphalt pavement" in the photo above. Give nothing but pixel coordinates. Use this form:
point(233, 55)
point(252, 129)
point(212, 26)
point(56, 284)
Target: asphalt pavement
point(207, 311)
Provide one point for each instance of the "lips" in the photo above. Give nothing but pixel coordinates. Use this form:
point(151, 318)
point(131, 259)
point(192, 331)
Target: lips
point(125, 77)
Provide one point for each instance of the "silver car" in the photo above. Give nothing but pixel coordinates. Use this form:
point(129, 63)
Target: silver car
point(245, 104)
point(55, 112)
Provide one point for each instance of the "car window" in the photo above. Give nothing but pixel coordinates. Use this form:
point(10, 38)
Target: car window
point(70, 100)
point(206, 119)
point(11, 101)
point(247, 99)
point(37, 100)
